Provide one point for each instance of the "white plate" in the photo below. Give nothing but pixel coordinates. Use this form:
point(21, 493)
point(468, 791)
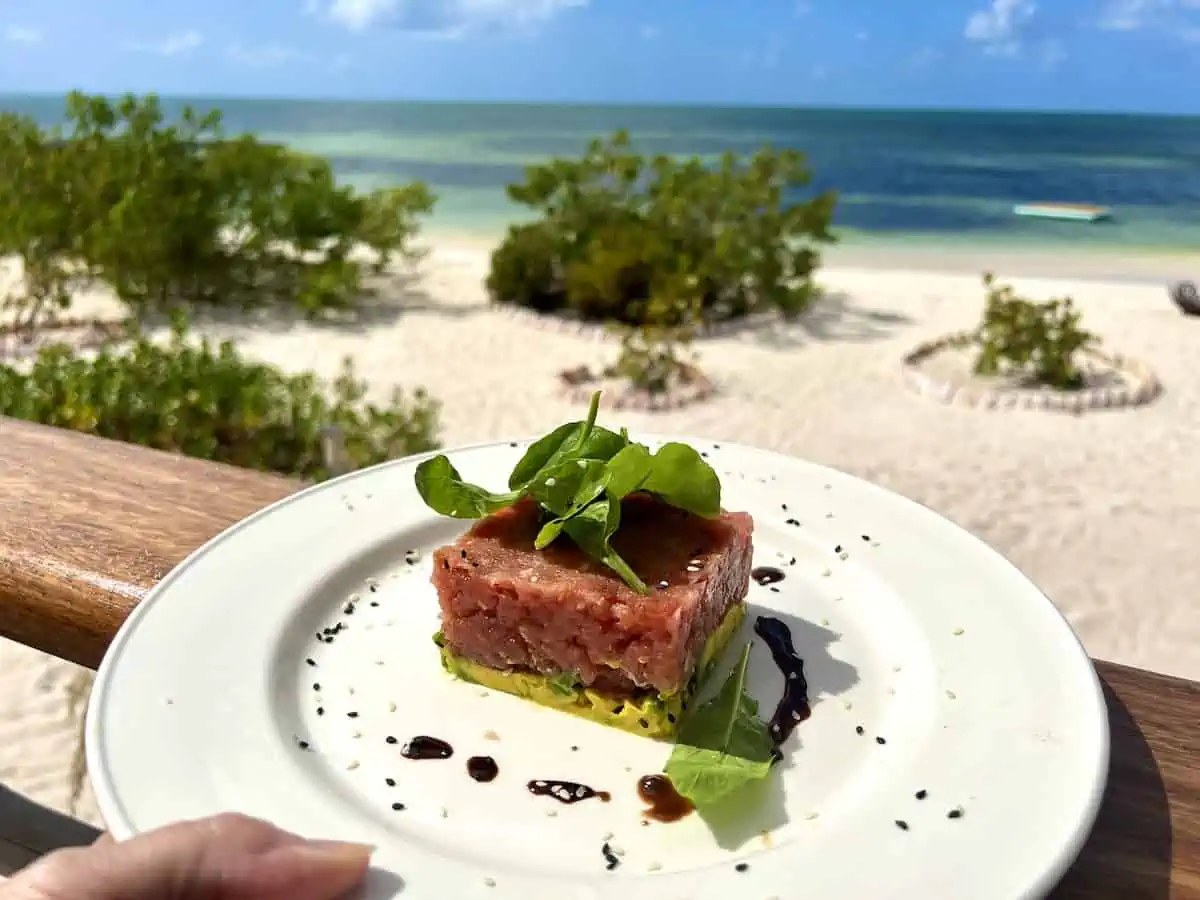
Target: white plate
point(967, 683)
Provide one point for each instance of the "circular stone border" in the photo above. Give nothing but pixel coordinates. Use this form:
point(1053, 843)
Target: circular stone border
point(597, 331)
point(578, 385)
point(1145, 389)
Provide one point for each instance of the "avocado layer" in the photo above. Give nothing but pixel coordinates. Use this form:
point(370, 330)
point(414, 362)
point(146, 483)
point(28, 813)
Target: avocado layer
point(649, 715)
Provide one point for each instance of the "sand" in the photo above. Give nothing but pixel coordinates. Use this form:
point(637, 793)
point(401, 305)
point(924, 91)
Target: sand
point(1101, 510)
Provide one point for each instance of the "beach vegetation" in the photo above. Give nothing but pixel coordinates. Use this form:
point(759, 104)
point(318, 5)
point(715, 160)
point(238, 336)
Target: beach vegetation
point(655, 240)
point(207, 400)
point(1041, 342)
point(171, 212)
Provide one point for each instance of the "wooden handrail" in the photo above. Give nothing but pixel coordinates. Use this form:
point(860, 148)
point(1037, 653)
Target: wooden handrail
point(87, 526)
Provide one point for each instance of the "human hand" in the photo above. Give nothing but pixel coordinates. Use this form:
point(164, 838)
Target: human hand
point(226, 857)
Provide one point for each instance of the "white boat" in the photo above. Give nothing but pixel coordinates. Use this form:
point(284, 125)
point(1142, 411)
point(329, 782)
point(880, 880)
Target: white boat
point(1075, 212)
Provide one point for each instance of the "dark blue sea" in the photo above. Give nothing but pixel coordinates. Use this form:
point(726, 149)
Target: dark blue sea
point(944, 177)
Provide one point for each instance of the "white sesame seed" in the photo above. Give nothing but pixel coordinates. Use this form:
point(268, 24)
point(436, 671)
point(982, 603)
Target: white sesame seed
point(551, 482)
point(654, 866)
point(353, 598)
point(357, 734)
point(490, 882)
point(825, 573)
point(490, 735)
point(951, 695)
point(812, 815)
point(552, 813)
point(352, 765)
point(445, 813)
point(824, 621)
point(484, 693)
point(957, 632)
point(608, 836)
point(843, 555)
point(892, 691)
point(391, 706)
point(897, 668)
point(846, 704)
point(617, 851)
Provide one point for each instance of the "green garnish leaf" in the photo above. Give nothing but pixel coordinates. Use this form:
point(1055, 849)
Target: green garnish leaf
point(564, 683)
point(579, 473)
point(593, 528)
point(575, 440)
point(681, 477)
point(444, 491)
point(723, 745)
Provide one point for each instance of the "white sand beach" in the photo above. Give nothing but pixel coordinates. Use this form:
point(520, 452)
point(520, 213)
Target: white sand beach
point(1101, 510)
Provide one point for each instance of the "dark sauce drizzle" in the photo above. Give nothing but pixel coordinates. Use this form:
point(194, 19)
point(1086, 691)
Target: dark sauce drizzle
point(765, 575)
point(665, 803)
point(566, 791)
point(482, 768)
point(425, 747)
point(793, 707)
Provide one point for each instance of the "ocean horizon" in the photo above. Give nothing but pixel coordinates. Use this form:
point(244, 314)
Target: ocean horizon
point(927, 178)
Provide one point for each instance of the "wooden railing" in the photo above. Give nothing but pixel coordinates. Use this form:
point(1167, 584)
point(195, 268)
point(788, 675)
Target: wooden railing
point(87, 526)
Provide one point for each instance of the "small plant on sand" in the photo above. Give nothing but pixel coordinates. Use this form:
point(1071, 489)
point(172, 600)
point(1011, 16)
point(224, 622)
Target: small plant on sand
point(617, 228)
point(1039, 341)
point(206, 400)
point(171, 212)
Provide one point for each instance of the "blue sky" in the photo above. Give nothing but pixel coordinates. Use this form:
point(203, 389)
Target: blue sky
point(1140, 55)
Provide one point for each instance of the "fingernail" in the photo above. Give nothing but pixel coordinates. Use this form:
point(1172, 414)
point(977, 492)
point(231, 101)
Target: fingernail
point(337, 852)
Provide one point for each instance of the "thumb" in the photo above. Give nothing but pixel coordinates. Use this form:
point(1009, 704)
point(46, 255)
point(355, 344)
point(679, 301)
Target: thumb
point(228, 857)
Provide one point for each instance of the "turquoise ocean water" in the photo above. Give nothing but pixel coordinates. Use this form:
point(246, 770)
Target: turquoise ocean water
point(903, 177)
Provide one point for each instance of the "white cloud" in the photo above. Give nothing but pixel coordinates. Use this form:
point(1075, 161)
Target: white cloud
point(649, 32)
point(439, 18)
point(1128, 15)
point(179, 44)
point(264, 56)
point(862, 36)
point(17, 34)
point(1001, 27)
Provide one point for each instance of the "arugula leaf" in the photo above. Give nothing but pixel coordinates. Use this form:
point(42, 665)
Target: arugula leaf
point(444, 491)
point(722, 746)
point(575, 440)
point(593, 528)
point(681, 477)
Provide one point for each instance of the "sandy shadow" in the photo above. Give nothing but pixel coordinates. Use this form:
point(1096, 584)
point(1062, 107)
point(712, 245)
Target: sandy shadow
point(386, 299)
point(834, 316)
point(1129, 852)
point(762, 808)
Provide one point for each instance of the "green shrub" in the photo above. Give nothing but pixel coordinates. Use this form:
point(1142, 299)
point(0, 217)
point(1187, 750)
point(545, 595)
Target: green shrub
point(652, 240)
point(1039, 341)
point(176, 213)
point(207, 401)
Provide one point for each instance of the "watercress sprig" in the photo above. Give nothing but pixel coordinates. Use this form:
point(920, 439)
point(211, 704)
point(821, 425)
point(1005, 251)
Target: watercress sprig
point(578, 474)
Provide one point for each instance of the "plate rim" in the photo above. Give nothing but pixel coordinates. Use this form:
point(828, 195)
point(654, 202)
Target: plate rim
point(118, 824)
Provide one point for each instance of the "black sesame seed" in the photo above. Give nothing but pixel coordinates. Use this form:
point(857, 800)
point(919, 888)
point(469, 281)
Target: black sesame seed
point(837, 549)
point(671, 718)
point(954, 814)
point(311, 661)
point(859, 729)
point(462, 553)
point(303, 745)
point(921, 795)
point(320, 710)
point(716, 446)
point(574, 748)
point(349, 610)
point(617, 709)
point(643, 723)
point(352, 715)
point(374, 587)
point(390, 782)
point(391, 739)
point(512, 443)
point(704, 453)
point(866, 537)
point(374, 602)
point(783, 506)
point(397, 806)
point(773, 589)
point(742, 867)
point(316, 687)
point(902, 825)
point(880, 740)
